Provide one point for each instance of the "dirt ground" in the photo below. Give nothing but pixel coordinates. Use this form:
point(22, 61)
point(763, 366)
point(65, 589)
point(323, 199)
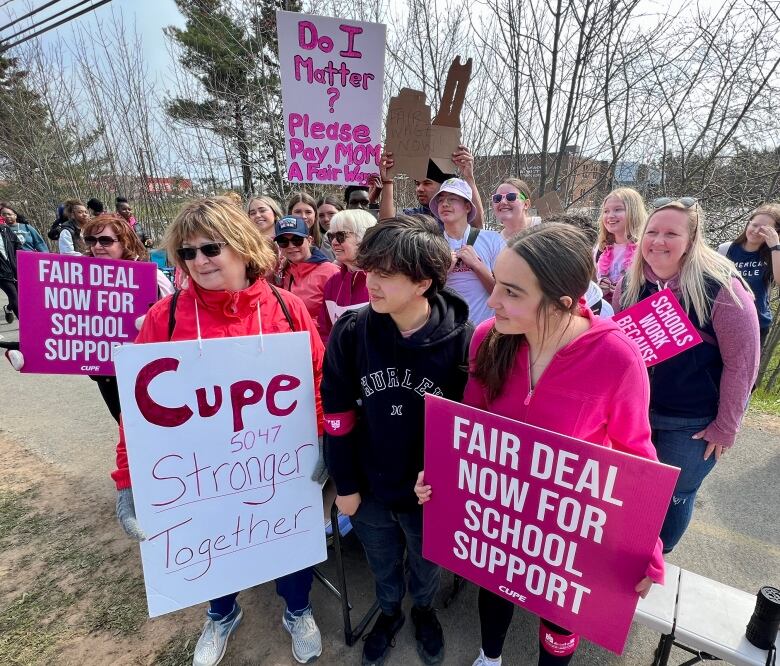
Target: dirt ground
point(71, 588)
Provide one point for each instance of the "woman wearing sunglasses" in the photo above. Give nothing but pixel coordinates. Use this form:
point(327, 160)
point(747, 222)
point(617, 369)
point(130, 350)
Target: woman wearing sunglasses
point(327, 207)
point(304, 206)
point(622, 216)
point(346, 290)
point(697, 398)
point(511, 203)
point(756, 254)
point(306, 269)
point(226, 260)
point(109, 237)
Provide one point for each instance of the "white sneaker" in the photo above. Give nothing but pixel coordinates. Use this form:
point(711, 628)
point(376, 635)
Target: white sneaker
point(214, 637)
point(306, 638)
point(482, 660)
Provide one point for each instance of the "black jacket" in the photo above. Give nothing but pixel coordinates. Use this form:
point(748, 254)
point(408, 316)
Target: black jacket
point(374, 376)
point(11, 244)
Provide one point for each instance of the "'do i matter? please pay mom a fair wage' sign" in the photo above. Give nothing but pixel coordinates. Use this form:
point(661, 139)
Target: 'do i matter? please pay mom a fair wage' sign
point(332, 73)
point(221, 442)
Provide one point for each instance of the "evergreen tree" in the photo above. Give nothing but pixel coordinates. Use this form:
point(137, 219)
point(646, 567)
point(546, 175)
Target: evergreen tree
point(233, 56)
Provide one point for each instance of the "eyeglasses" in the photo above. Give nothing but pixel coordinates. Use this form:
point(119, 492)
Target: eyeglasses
point(338, 236)
point(104, 241)
point(509, 196)
point(686, 202)
point(208, 250)
point(297, 241)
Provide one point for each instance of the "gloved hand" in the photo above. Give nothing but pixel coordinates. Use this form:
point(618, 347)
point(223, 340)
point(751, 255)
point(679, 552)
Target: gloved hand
point(15, 358)
point(125, 513)
point(320, 473)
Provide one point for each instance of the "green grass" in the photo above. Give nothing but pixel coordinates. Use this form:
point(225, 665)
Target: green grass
point(178, 651)
point(764, 402)
point(69, 570)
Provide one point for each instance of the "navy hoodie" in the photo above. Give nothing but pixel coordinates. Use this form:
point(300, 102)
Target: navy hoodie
point(373, 395)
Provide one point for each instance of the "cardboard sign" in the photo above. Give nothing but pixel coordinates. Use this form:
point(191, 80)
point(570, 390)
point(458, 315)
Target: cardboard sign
point(408, 134)
point(221, 443)
point(659, 326)
point(414, 139)
point(332, 73)
point(558, 526)
point(73, 311)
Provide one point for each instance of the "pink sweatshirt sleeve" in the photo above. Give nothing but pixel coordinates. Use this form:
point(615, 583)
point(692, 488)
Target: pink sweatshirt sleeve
point(736, 327)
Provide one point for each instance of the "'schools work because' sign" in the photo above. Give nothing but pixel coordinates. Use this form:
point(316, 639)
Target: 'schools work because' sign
point(659, 327)
point(332, 73)
point(221, 443)
point(74, 311)
point(558, 526)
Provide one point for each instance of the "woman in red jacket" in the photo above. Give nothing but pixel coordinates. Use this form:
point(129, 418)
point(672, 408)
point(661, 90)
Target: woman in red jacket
point(226, 259)
point(546, 360)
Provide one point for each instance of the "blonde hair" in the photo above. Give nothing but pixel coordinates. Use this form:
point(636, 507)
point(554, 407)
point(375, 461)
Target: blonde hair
point(636, 216)
point(355, 220)
point(268, 201)
point(218, 218)
point(698, 265)
point(520, 185)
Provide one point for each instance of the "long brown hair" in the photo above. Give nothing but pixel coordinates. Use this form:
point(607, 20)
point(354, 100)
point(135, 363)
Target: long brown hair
point(764, 252)
point(560, 258)
point(132, 247)
point(304, 198)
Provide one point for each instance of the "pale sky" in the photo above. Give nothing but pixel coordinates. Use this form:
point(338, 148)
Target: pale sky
point(149, 16)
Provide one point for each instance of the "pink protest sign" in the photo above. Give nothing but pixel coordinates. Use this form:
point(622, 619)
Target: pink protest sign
point(74, 310)
point(659, 326)
point(558, 526)
point(332, 73)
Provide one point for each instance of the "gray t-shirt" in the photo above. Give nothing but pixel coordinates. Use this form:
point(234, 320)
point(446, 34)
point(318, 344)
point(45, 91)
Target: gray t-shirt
point(465, 282)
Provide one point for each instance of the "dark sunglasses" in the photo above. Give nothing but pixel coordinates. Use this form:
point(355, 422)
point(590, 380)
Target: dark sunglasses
point(510, 197)
point(105, 241)
point(208, 250)
point(686, 202)
point(338, 236)
point(297, 241)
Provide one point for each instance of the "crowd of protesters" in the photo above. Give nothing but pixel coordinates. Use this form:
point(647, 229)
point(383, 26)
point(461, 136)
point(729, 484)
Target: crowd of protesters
point(471, 314)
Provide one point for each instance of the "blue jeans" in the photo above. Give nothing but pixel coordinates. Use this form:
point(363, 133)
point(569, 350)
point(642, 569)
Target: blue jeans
point(294, 588)
point(673, 443)
point(385, 536)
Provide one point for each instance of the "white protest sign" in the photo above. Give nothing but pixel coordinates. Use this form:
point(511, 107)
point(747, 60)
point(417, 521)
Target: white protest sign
point(332, 73)
point(221, 443)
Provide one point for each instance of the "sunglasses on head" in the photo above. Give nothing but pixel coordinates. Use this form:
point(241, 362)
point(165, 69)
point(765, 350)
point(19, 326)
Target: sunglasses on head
point(338, 236)
point(297, 241)
point(208, 250)
point(686, 202)
point(104, 241)
point(509, 196)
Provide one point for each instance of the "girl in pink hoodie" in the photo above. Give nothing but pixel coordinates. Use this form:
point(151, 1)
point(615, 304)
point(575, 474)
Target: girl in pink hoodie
point(547, 361)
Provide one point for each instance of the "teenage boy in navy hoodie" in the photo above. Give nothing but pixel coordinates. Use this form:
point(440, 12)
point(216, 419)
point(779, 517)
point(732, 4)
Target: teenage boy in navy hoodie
point(381, 360)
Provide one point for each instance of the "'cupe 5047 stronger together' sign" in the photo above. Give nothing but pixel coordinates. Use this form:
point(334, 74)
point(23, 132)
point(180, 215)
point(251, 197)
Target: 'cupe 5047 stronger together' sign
point(561, 527)
point(221, 444)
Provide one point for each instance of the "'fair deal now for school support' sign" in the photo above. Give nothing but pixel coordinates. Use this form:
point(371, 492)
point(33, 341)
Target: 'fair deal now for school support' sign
point(74, 311)
point(558, 526)
point(332, 73)
point(221, 442)
point(659, 327)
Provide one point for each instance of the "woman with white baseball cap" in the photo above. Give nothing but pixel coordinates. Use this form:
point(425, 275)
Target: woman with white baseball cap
point(474, 251)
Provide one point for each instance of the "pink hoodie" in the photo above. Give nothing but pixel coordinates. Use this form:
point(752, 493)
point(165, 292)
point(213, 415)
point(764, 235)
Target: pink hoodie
point(595, 389)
